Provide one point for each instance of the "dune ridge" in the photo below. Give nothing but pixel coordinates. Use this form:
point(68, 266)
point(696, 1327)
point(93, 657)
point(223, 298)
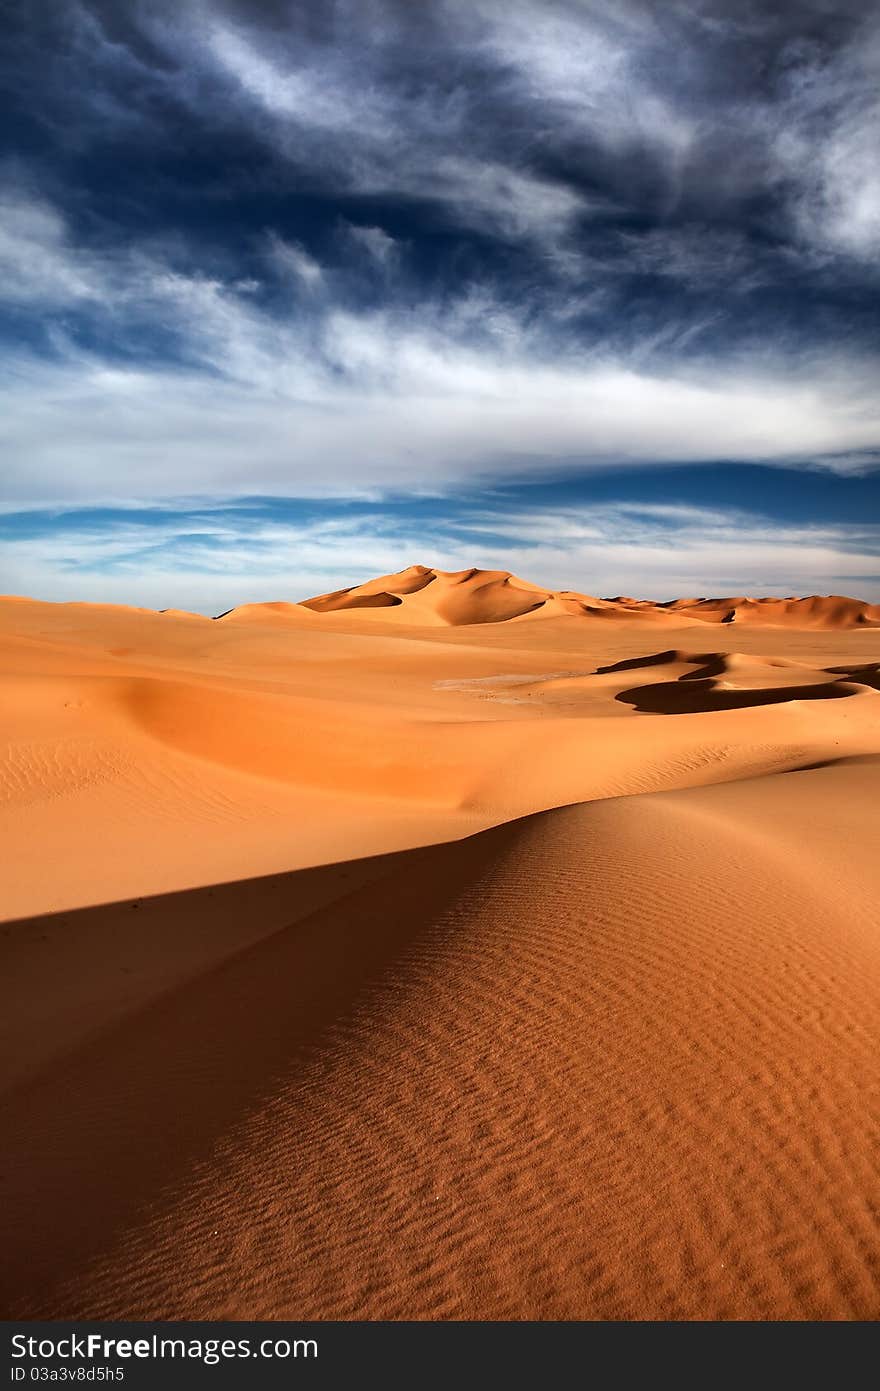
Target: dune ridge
point(423, 595)
point(478, 1121)
point(444, 947)
point(815, 611)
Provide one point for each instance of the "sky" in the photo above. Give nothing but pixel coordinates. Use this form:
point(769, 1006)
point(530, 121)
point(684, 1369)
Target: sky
point(294, 294)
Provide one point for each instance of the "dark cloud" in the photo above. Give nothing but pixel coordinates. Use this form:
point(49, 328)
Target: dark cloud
point(463, 235)
point(668, 153)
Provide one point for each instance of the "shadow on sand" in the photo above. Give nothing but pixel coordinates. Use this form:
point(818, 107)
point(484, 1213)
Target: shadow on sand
point(92, 1140)
point(694, 697)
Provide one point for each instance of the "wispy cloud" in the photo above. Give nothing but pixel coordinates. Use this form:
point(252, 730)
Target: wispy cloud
point(340, 398)
point(337, 112)
point(827, 145)
point(38, 265)
point(345, 250)
point(212, 560)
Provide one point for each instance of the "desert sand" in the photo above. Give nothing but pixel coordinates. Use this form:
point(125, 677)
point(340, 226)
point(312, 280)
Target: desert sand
point(445, 947)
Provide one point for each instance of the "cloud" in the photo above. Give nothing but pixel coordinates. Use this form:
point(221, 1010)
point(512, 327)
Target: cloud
point(327, 396)
point(339, 113)
point(210, 561)
point(595, 71)
point(536, 120)
point(295, 260)
point(663, 551)
point(313, 95)
point(390, 413)
point(827, 146)
point(376, 242)
point(37, 264)
point(347, 250)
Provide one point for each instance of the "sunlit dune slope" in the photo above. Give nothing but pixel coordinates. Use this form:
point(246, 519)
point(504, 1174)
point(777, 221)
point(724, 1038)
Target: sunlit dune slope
point(617, 1060)
point(155, 751)
point(420, 595)
point(817, 611)
point(187, 753)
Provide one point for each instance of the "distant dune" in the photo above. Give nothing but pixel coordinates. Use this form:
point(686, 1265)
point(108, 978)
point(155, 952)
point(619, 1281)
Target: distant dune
point(443, 947)
point(817, 611)
point(419, 595)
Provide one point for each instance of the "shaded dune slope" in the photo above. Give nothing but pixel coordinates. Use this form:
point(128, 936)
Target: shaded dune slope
point(534, 1073)
point(701, 696)
point(733, 681)
point(678, 682)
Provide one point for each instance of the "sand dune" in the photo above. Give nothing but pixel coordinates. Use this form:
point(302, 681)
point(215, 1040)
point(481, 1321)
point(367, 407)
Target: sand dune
point(677, 682)
point(817, 611)
point(419, 595)
point(501, 1079)
point(396, 955)
point(733, 681)
point(422, 596)
point(280, 612)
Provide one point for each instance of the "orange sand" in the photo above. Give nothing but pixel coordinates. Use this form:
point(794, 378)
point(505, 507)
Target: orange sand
point(442, 948)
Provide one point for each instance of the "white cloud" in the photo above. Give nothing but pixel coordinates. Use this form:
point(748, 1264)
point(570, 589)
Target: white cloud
point(309, 95)
point(343, 400)
point(395, 408)
point(594, 68)
point(811, 139)
point(375, 241)
point(294, 260)
point(202, 390)
point(508, 202)
point(827, 146)
point(357, 112)
point(214, 560)
point(37, 263)
point(336, 113)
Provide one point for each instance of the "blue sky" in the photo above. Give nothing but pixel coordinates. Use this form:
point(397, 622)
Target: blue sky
point(291, 295)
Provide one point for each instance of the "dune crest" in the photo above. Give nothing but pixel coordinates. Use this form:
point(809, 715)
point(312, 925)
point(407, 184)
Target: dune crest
point(444, 597)
point(815, 611)
point(421, 595)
